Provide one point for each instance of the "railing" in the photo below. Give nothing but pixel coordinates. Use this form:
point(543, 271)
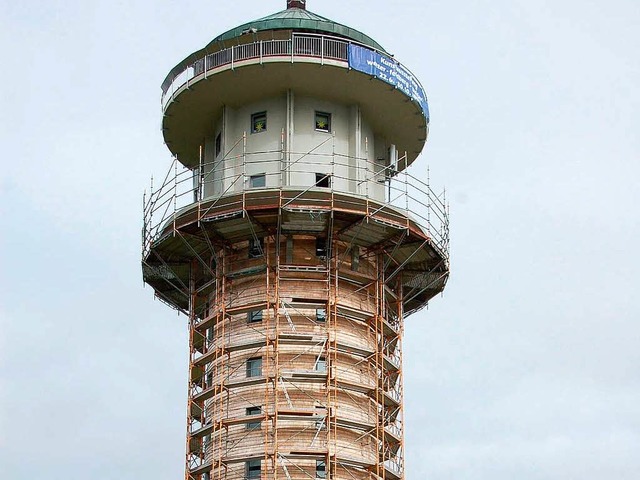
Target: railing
point(399, 194)
point(298, 47)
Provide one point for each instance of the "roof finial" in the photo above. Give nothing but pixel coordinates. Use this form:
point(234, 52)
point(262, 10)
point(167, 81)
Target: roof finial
point(296, 4)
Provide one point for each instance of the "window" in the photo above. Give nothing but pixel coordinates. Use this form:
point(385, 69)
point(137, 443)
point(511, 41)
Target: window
point(355, 258)
point(252, 469)
point(321, 315)
point(218, 144)
point(320, 412)
point(211, 333)
point(257, 181)
point(254, 367)
point(209, 380)
point(320, 469)
point(321, 247)
point(321, 365)
point(323, 180)
point(255, 247)
point(323, 122)
point(253, 411)
point(255, 316)
point(258, 122)
point(206, 476)
point(289, 249)
point(206, 441)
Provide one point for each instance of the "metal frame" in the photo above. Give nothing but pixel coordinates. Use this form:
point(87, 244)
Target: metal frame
point(194, 258)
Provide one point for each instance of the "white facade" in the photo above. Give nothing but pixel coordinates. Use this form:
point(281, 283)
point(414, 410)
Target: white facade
point(290, 151)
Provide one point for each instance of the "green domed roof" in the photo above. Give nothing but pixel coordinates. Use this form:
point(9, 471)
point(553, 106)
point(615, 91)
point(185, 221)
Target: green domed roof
point(300, 19)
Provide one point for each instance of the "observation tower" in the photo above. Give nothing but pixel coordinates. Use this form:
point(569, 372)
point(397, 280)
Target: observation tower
point(291, 234)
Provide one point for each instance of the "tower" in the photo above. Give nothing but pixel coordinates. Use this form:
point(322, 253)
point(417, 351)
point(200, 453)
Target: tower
point(290, 233)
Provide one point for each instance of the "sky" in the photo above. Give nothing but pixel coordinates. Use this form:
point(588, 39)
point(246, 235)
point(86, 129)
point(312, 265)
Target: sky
point(528, 366)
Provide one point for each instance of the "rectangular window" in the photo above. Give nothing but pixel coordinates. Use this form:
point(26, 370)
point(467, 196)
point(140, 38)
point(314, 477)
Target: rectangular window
point(289, 249)
point(355, 258)
point(320, 469)
point(257, 181)
point(321, 315)
point(206, 476)
point(256, 246)
point(321, 247)
point(209, 380)
point(323, 180)
point(321, 365)
point(323, 122)
point(255, 316)
point(253, 411)
point(258, 122)
point(320, 412)
point(254, 367)
point(218, 144)
point(211, 334)
point(252, 469)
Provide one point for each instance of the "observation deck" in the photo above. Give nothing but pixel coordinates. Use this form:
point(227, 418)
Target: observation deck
point(389, 95)
point(409, 223)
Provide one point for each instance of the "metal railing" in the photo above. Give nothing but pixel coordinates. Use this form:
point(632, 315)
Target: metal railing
point(299, 47)
point(400, 195)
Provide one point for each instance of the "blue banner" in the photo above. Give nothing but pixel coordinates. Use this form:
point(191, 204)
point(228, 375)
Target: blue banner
point(387, 69)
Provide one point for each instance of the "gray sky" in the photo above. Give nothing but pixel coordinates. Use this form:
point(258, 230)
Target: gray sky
point(528, 367)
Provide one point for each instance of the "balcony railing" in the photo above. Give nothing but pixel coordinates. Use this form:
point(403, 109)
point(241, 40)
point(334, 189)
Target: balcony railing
point(402, 195)
point(300, 47)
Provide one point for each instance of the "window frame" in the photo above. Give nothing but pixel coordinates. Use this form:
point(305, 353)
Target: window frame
point(255, 316)
point(321, 315)
point(321, 473)
point(320, 361)
point(258, 176)
point(321, 247)
point(323, 180)
point(327, 116)
point(255, 118)
point(251, 367)
point(250, 469)
point(218, 145)
point(254, 425)
point(256, 248)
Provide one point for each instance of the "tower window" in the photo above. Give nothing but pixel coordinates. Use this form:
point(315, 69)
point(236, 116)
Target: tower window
point(253, 411)
point(254, 367)
point(320, 412)
point(320, 469)
point(323, 180)
point(355, 258)
point(258, 122)
point(211, 334)
point(254, 316)
point(257, 181)
point(256, 246)
point(321, 247)
point(218, 144)
point(252, 469)
point(321, 315)
point(321, 365)
point(323, 122)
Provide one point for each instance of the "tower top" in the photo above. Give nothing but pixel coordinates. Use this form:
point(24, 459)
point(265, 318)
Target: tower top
point(296, 4)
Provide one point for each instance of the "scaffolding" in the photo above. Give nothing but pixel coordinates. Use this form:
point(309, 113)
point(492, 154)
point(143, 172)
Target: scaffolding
point(296, 298)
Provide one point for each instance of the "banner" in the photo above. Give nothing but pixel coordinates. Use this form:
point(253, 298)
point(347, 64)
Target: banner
point(387, 69)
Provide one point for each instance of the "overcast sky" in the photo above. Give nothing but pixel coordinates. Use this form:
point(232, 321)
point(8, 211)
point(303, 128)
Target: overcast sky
point(527, 367)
